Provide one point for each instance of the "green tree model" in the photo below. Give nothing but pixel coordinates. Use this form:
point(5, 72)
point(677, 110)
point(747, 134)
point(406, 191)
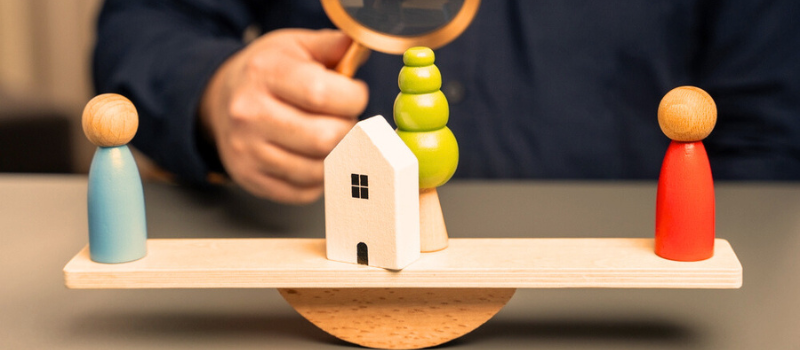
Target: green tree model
point(421, 113)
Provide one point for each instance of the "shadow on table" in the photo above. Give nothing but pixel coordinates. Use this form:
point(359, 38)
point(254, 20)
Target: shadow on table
point(583, 331)
point(203, 327)
point(199, 327)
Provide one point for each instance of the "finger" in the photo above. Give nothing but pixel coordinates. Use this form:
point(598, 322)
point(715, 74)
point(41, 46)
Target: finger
point(325, 46)
point(311, 87)
point(265, 186)
point(307, 134)
point(287, 166)
point(245, 171)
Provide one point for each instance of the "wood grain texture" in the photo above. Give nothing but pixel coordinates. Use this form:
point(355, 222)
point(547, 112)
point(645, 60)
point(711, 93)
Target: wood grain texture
point(404, 318)
point(467, 263)
point(687, 114)
point(110, 120)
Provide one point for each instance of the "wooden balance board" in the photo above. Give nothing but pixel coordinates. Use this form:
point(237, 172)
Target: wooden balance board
point(440, 297)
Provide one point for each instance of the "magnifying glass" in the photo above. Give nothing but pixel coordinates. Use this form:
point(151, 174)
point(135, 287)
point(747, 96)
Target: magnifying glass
point(393, 26)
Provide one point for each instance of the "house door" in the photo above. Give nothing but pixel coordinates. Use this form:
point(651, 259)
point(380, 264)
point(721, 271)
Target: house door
point(362, 254)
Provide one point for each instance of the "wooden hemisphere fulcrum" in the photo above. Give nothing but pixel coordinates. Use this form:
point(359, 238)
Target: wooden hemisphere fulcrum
point(398, 318)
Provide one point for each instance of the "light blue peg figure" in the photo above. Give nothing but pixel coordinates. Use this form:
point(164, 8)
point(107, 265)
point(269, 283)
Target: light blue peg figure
point(117, 224)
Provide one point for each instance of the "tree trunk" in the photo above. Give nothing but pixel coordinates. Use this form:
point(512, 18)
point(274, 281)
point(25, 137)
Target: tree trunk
point(433, 233)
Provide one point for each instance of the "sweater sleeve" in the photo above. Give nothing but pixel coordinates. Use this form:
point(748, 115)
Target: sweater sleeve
point(161, 54)
point(749, 61)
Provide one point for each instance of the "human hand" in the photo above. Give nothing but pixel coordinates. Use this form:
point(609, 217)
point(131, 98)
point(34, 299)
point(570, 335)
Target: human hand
point(275, 110)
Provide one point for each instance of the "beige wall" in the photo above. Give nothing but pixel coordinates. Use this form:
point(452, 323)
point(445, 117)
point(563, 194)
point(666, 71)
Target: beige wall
point(45, 48)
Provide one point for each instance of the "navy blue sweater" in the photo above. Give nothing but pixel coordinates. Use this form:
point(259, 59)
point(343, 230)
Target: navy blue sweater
point(557, 89)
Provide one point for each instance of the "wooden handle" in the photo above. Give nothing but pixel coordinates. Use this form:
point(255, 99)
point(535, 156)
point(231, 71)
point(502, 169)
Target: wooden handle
point(355, 56)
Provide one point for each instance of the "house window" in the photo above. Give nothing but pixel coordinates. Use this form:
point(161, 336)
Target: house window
point(359, 183)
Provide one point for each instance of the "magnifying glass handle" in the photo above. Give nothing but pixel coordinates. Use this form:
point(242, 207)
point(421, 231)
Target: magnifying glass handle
point(355, 56)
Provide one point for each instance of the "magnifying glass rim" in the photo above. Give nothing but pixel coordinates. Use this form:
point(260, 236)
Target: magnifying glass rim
point(396, 44)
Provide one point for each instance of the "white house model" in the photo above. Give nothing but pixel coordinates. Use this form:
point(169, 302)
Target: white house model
point(372, 198)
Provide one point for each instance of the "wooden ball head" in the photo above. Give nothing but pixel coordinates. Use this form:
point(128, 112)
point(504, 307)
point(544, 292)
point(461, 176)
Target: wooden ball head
point(110, 120)
point(687, 114)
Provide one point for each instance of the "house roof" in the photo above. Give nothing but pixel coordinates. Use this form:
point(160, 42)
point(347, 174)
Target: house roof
point(384, 138)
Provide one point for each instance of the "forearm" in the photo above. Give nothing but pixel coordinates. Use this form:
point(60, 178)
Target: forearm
point(161, 56)
point(749, 64)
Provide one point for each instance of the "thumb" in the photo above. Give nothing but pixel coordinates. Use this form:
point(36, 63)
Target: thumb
point(325, 46)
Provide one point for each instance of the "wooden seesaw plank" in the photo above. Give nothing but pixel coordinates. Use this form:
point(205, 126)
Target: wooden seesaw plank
point(467, 263)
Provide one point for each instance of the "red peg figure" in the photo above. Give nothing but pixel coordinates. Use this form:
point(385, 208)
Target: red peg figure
point(685, 200)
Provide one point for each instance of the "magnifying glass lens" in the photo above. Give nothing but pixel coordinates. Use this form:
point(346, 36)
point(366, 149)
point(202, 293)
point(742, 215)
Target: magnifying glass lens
point(403, 17)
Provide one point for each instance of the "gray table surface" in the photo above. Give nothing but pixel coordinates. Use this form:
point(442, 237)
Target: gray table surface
point(43, 224)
